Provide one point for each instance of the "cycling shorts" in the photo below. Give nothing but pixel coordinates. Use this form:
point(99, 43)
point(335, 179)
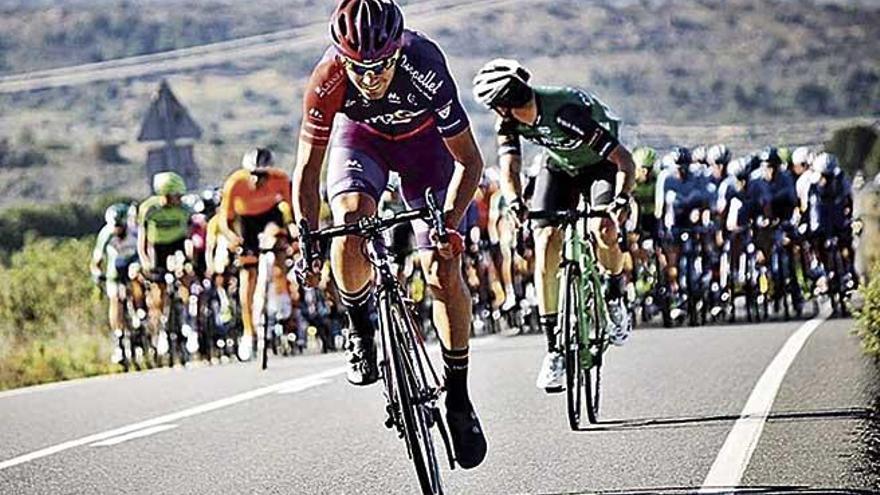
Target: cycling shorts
point(556, 190)
point(250, 227)
point(360, 160)
point(161, 253)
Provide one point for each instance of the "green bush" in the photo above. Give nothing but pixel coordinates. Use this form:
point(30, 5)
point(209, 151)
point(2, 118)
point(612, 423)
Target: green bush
point(62, 220)
point(868, 317)
point(52, 319)
point(853, 146)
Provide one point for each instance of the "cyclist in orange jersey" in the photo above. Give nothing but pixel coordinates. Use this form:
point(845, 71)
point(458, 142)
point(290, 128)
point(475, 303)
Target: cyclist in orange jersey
point(256, 198)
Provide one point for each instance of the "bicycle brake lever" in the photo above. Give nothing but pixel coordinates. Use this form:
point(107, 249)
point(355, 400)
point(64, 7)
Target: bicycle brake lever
point(436, 216)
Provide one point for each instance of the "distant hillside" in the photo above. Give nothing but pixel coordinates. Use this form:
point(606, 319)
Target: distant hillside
point(745, 71)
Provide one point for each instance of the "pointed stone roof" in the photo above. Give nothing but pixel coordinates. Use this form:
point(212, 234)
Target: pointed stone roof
point(167, 119)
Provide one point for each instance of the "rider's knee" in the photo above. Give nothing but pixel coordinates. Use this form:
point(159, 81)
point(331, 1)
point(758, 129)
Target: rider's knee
point(444, 277)
point(547, 238)
point(351, 207)
point(605, 232)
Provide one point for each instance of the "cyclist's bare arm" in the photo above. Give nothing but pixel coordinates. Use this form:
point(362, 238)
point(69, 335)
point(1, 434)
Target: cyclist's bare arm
point(466, 178)
point(621, 157)
point(227, 213)
point(511, 180)
point(306, 182)
point(142, 245)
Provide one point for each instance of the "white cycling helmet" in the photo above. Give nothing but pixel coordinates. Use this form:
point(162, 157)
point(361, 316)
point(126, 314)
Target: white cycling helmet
point(502, 82)
point(825, 164)
point(801, 156)
point(719, 154)
point(256, 159)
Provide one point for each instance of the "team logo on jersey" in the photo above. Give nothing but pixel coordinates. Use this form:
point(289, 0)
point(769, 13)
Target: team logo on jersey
point(411, 99)
point(330, 84)
point(354, 164)
point(445, 111)
point(394, 98)
point(398, 117)
point(428, 83)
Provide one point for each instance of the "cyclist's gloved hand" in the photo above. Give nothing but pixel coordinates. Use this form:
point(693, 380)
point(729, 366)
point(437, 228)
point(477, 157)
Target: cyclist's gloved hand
point(519, 210)
point(453, 246)
point(308, 274)
point(622, 207)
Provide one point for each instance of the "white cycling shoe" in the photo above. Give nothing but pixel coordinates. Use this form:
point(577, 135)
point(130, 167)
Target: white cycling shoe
point(245, 348)
point(551, 378)
point(620, 324)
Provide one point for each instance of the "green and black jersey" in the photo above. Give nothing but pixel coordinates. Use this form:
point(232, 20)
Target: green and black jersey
point(575, 128)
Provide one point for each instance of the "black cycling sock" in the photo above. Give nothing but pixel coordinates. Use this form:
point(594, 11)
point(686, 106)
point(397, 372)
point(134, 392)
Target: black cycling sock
point(616, 285)
point(455, 367)
point(357, 306)
point(548, 325)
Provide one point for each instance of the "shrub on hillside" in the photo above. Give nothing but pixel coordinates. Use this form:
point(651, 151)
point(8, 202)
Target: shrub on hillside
point(52, 319)
point(853, 146)
point(868, 322)
point(64, 220)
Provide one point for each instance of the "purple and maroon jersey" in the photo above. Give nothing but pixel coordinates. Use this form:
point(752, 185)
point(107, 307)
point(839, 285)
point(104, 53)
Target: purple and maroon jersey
point(422, 95)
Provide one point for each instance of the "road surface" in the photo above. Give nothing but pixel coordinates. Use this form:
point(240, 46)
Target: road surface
point(677, 403)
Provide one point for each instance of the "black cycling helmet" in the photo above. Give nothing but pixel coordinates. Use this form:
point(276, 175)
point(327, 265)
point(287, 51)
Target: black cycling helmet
point(770, 156)
point(681, 156)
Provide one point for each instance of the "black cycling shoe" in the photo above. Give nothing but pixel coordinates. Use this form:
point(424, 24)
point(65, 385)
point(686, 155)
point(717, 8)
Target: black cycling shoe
point(468, 440)
point(360, 353)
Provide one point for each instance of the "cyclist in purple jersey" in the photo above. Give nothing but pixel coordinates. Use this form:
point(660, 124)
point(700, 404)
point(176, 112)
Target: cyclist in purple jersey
point(389, 94)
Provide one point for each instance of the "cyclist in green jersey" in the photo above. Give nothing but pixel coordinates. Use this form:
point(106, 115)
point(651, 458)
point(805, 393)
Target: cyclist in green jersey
point(163, 227)
point(579, 136)
point(646, 182)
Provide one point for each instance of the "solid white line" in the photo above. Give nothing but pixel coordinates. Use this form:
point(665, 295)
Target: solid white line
point(735, 454)
point(168, 418)
point(305, 385)
point(131, 436)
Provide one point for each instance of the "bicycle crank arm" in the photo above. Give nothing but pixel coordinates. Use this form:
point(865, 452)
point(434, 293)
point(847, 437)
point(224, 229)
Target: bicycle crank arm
point(444, 434)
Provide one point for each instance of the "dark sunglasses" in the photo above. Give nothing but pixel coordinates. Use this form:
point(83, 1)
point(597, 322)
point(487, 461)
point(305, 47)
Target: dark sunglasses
point(377, 68)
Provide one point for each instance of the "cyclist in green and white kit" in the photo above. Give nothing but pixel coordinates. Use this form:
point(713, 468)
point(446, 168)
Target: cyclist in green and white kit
point(582, 156)
point(116, 249)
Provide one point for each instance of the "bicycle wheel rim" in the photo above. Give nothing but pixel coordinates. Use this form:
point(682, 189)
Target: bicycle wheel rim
point(416, 430)
point(592, 376)
point(572, 349)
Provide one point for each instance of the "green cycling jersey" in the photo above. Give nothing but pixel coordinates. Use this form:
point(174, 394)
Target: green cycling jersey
point(163, 223)
point(644, 194)
point(575, 128)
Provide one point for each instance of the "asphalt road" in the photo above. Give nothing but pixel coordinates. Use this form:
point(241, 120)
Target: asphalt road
point(674, 400)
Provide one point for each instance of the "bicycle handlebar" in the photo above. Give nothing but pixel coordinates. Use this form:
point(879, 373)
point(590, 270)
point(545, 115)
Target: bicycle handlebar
point(568, 216)
point(372, 226)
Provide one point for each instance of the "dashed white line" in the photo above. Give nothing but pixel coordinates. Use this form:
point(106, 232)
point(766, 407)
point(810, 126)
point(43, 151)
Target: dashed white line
point(169, 418)
point(133, 435)
point(735, 454)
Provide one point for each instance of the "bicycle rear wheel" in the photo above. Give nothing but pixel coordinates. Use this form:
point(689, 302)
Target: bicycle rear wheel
point(417, 410)
point(574, 378)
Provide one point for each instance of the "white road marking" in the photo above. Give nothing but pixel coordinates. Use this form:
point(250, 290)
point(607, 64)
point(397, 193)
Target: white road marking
point(133, 435)
point(735, 454)
point(304, 385)
point(168, 418)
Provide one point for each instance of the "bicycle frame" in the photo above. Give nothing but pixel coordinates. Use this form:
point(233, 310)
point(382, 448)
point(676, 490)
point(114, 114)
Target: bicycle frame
point(578, 249)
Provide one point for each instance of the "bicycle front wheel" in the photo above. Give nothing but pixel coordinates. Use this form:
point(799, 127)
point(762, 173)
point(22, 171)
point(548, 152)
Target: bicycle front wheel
point(417, 408)
point(574, 377)
point(596, 346)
